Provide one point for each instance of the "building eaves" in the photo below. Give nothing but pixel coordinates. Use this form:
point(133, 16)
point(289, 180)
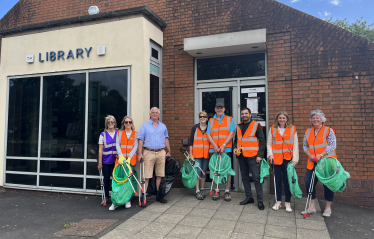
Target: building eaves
point(118, 13)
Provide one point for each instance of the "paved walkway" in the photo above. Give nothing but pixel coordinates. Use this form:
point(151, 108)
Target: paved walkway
point(186, 217)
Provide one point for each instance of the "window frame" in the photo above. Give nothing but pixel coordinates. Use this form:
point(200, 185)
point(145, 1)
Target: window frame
point(83, 176)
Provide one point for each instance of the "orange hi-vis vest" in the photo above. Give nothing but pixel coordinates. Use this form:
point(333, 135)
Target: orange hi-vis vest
point(200, 148)
point(282, 146)
point(317, 144)
point(249, 142)
point(220, 131)
point(127, 145)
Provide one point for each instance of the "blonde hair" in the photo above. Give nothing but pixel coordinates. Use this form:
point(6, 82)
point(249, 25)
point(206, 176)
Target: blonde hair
point(106, 121)
point(123, 121)
point(204, 113)
point(288, 123)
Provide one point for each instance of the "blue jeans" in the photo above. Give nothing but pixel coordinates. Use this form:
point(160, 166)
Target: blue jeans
point(329, 195)
point(107, 172)
point(279, 170)
point(203, 163)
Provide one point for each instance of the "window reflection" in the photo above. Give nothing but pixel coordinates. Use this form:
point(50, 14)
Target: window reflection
point(23, 117)
point(231, 67)
point(63, 116)
point(107, 96)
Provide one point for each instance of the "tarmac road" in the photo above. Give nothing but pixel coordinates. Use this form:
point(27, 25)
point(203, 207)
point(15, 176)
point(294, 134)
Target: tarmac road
point(27, 215)
point(349, 221)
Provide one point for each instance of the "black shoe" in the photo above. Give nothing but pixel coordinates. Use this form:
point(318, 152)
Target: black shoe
point(142, 203)
point(161, 200)
point(261, 205)
point(247, 200)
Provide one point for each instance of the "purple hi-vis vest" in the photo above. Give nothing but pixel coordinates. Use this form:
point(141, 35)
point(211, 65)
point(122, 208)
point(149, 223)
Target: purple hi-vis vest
point(110, 152)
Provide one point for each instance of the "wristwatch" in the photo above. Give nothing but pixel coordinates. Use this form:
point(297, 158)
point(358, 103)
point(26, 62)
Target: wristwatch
point(322, 156)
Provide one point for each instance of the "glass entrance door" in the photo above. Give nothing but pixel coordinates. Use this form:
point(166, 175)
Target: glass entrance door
point(208, 98)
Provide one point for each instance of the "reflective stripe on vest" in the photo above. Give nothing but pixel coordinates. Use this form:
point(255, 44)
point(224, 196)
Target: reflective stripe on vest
point(200, 147)
point(220, 131)
point(282, 146)
point(109, 148)
point(249, 142)
point(127, 144)
point(317, 145)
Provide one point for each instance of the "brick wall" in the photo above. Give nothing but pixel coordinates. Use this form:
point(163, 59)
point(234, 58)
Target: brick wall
point(311, 64)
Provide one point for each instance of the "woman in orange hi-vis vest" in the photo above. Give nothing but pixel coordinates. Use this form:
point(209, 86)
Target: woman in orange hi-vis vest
point(282, 147)
point(199, 150)
point(319, 142)
point(127, 146)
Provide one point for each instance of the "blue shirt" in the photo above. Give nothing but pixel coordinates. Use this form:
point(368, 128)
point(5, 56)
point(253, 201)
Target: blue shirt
point(232, 129)
point(153, 138)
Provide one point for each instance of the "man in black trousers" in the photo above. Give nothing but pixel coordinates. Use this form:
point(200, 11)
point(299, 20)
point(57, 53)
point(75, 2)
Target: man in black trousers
point(250, 138)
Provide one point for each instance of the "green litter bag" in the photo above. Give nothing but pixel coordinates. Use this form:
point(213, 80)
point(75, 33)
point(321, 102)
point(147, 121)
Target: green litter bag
point(223, 170)
point(121, 188)
point(189, 177)
point(264, 171)
point(293, 181)
point(332, 174)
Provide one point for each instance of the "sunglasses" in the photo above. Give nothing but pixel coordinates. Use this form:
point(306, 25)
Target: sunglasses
point(202, 116)
point(110, 122)
point(128, 122)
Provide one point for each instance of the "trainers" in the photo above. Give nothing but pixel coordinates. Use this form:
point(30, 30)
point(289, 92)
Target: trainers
point(202, 192)
point(199, 196)
point(327, 213)
point(308, 210)
point(161, 200)
point(128, 205)
point(215, 196)
point(277, 206)
point(227, 197)
point(113, 207)
point(288, 207)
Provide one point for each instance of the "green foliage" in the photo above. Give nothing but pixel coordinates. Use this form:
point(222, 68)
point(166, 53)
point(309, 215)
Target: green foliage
point(360, 27)
point(68, 224)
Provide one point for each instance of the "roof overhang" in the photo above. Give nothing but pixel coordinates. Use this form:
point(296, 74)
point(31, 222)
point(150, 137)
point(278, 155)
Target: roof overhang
point(227, 43)
point(119, 13)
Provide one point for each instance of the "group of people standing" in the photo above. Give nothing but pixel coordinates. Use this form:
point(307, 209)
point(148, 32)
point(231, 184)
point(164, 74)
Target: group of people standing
point(219, 134)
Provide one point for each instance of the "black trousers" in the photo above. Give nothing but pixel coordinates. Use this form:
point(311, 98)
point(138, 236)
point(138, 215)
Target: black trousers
point(249, 165)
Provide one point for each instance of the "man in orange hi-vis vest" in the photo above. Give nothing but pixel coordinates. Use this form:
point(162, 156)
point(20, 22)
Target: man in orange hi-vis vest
point(221, 129)
point(250, 137)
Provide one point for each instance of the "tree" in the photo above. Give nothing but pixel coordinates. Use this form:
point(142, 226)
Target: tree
point(360, 27)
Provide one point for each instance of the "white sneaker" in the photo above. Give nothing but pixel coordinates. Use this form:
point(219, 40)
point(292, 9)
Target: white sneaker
point(277, 206)
point(288, 207)
point(128, 205)
point(113, 207)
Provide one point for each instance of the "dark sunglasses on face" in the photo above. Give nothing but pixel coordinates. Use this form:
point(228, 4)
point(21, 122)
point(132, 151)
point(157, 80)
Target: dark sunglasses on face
point(202, 116)
point(110, 122)
point(128, 122)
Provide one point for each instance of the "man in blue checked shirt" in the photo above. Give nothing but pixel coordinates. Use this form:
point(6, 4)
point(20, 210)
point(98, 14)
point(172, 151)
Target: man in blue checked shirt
point(153, 147)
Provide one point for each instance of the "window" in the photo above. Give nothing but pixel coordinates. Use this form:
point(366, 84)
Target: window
point(155, 76)
point(51, 116)
point(231, 67)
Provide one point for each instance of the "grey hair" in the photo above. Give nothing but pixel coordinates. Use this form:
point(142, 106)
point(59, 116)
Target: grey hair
point(319, 113)
point(155, 108)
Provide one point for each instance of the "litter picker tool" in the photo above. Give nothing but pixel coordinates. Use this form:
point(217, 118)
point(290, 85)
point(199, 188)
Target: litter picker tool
point(103, 199)
point(142, 182)
point(214, 173)
point(192, 162)
point(129, 175)
point(309, 198)
point(275, 187)
point(137, 181)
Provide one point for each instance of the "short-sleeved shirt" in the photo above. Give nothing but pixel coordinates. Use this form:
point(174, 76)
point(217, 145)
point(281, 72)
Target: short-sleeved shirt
point(153, 138)
point(232, 129)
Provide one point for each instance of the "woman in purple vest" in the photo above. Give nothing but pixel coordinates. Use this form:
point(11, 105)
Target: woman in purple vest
point(107, 151)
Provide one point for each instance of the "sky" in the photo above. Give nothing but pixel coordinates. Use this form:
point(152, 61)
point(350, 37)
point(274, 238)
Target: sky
point(324, 9)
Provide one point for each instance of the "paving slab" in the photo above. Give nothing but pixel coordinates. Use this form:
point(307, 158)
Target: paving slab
point(200, 212)
point(169, 218)
point(279, 231)
point(158, 228)
point(225, 225)
point(227, 215)
point(250, 229)
point(311, 224)
point(214, 233)
point(255, 218)
point(312, 234)
point(281, 221)
point(182, 231)
point(194, 221)
point(178, 210)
